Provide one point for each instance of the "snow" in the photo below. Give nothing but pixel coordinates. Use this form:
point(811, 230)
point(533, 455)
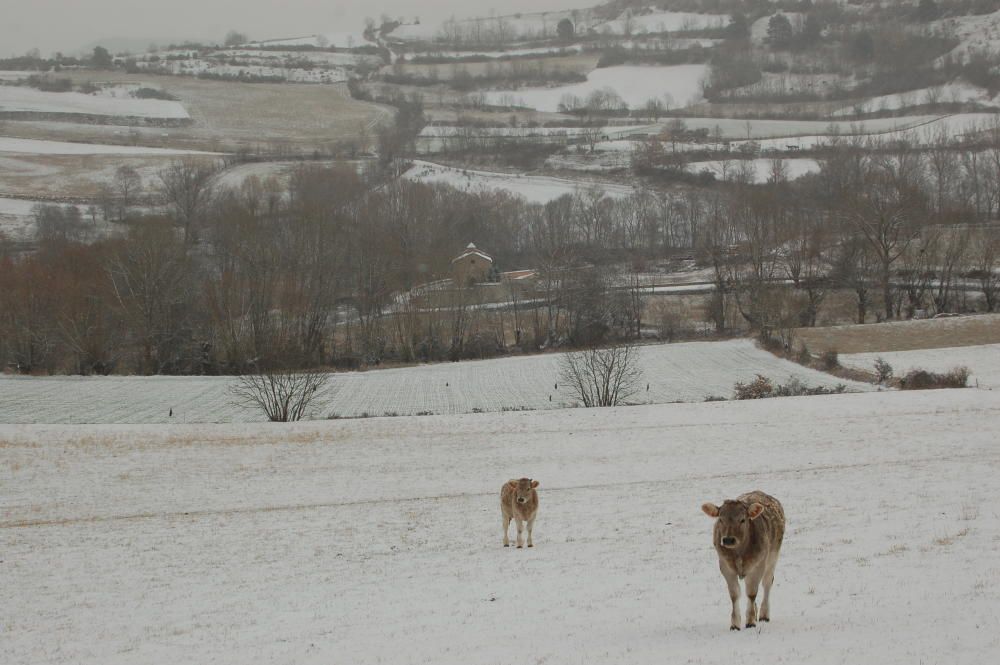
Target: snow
point(514, 52)
point(735, 128)
point(681, 85)
point(952, 126)
point(976, 32)
point(25, 99)
point(271, 69)
point(762, 168)
point(675, 372)
point(535, 189)
point(341, 39)
point(17, 222)
point(13, 75)
point(955, 92)
point(658, 21)
point(983, 360)
point(39, 147)
point(378, 541)
point(518, 27)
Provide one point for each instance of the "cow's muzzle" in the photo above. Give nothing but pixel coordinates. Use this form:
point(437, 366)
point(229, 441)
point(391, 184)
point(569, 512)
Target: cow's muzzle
point(729, 541)
point(522, 500)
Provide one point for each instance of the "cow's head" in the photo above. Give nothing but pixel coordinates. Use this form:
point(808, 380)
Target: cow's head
point(732, 529)
point(522, 489)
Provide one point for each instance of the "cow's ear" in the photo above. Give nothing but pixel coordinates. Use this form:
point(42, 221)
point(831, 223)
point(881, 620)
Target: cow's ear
point(710, 509)
point(512, 483)
point(755, 510)
point(534, 484)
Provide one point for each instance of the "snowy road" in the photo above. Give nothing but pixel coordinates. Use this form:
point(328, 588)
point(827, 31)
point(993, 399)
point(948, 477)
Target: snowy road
point(378, 541)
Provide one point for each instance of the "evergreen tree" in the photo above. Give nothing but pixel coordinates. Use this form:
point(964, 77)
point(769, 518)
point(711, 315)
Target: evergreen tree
point(779, 31)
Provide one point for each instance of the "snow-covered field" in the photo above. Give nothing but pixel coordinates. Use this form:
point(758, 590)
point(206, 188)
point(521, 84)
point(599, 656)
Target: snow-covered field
point(660, 21)
point(687, 372)
point(676, 85)
point(977, 32)
point(735, 128)
point(378, 541)
point(762, 169)
point(339, 39)
point(25, 99)
point(983, 360)
point(40, 147)
point(952, 93)
point(507, 53)
point(536, 189)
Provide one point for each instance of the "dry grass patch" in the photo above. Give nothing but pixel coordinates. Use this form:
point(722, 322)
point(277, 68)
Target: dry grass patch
point(903, 335)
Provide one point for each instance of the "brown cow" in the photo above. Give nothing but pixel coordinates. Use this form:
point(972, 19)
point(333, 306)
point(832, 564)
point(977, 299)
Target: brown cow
point(747, 535)
point(519, 501)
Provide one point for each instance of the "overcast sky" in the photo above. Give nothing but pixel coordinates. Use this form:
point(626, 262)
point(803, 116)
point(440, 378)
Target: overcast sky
point(68, 25)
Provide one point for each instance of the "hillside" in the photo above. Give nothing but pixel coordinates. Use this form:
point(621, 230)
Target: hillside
point(363, 541)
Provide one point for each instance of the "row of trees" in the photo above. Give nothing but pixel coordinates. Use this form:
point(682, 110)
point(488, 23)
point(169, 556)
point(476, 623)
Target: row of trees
point(321, 269)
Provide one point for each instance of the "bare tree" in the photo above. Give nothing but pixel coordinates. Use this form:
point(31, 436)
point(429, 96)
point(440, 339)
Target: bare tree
point(150, 276)
point(283, 396)
point(187, 187)
point(886, 214)
point(128, 184)
point(602, 377)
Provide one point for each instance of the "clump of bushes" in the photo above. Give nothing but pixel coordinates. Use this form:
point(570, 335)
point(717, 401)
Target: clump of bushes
point(762, 388)
point(883, 371)
point(920, 379)
point(830, 360)
point(153, 93)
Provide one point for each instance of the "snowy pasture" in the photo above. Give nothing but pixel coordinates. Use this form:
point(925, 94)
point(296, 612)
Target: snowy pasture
point(535, 189)
point(676, 85)
point(659, 21)
point(953, 93)
point(976, 32)
point(983, 360)
point(339, 39)
point(378, 541)
point(688, 372)
point(25, 99)
point(40, 147)
point(761, 169)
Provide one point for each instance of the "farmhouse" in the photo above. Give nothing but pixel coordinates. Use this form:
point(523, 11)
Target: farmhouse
point(471, 266)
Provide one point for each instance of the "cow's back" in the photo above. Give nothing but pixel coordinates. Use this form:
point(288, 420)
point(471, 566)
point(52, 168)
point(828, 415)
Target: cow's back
point(771, 522)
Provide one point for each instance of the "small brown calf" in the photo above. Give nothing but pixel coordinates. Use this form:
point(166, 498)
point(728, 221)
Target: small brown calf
point(519, 501)
point(747, 537)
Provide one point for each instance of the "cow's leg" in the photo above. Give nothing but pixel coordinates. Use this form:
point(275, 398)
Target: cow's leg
point(733, 582)
point(531, 525)
point(765, 606)
point(506, 530)
point(753, 585)
point(520, 531)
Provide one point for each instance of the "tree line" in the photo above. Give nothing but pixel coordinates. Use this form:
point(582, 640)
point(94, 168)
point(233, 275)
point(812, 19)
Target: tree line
point(327, 266)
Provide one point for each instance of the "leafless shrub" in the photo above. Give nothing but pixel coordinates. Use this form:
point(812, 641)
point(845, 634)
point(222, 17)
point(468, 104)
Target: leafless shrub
point(760, 388)
point(920, 379)
point(830, 359)
point(283, 396)
point(602, 377)
point(883, 370)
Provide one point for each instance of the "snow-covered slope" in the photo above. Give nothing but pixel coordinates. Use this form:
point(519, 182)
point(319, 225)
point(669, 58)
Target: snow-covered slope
point(535, 189)
point(676, 86)
point(378, 541)
point(25, 99)
point(675, 372)
point(983, 361)
point(40, 147)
